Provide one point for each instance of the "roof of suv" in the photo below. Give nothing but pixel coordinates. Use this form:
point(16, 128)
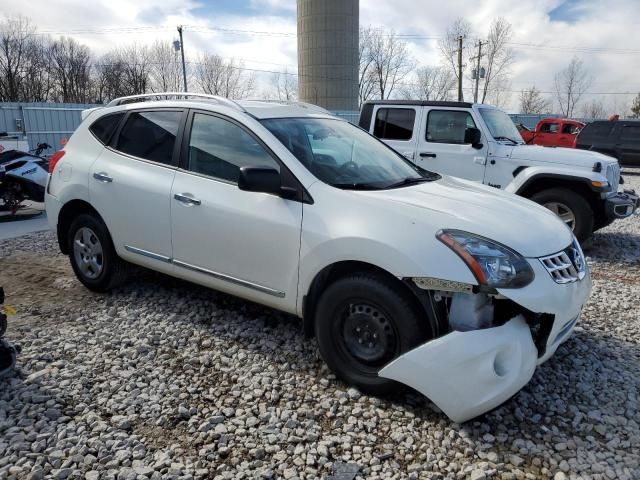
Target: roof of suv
point(257, 108)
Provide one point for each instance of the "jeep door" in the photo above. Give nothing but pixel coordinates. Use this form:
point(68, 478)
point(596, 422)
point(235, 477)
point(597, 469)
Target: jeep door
point(442, 147)
point(396, 126)
point(130, 184)
point(244, 243)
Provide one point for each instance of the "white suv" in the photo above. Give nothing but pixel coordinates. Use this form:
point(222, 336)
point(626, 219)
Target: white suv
point(453, 288)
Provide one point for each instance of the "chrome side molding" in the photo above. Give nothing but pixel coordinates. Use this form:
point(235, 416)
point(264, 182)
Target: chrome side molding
point(211, 273)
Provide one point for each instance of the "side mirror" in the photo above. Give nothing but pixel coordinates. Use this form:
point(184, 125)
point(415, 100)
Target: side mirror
point(260, 179)
point(473, 136)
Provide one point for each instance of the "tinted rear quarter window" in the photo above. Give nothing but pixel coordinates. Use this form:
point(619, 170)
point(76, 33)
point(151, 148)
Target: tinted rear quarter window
point(595, 131)
point(394, 123)
point(104, 127)
point(630, 134)
point(150, 135)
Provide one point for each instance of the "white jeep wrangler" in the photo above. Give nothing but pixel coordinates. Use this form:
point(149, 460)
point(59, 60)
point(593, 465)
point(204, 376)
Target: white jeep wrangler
point(481, 143)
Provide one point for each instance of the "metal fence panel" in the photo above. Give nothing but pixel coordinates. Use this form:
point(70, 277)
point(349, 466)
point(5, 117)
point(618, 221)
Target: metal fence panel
point(41, 122)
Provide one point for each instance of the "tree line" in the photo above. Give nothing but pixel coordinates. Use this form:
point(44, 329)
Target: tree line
point(40, 68)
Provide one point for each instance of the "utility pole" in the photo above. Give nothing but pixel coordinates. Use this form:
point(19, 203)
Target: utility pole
point(477, 73)
point(184, 67)
point(460, 98)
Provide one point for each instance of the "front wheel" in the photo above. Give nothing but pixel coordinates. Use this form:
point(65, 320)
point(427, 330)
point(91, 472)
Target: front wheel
point(363, 322)
point(572, 208)
point(93, 257)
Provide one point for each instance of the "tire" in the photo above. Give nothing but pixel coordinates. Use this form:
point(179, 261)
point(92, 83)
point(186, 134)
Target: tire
point(375, 305)
point(577, 206)
point(105, 269)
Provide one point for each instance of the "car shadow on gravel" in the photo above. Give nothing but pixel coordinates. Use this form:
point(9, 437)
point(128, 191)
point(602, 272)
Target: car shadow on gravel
point(614, 247)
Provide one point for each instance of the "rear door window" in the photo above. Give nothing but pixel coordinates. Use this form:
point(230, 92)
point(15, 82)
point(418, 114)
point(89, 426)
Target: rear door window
point(448, 126)
point(150, 135)
point(394, 123)
point(570, 128)
point(630, 134)
point(104, 127)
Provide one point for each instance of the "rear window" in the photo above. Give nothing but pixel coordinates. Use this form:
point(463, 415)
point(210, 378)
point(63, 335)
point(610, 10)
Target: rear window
point(394, 123)
point(596, 130)
point(150, 135)
point(104, 127)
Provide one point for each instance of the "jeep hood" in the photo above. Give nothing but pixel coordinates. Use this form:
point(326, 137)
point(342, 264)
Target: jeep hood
point(558, 155)
point(518, 223)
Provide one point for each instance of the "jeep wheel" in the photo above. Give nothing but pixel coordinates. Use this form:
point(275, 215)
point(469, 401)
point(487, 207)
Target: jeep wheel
point(571, 207)
point(362, 323)
point(93, 257)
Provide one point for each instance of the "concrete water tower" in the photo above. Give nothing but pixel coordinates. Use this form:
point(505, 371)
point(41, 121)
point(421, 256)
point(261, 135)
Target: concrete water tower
point(328, 53)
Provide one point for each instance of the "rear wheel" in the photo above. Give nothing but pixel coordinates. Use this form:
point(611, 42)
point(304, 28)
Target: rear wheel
point(572, 208)
point(93, 257)
point(363, 322)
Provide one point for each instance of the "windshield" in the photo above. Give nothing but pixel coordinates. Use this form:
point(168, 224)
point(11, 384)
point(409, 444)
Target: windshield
point(343, 155)
point(500, 125)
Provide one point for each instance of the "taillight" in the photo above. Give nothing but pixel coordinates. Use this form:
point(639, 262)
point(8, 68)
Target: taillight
point(55, 158)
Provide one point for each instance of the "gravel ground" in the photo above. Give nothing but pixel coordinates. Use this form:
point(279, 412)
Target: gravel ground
point(163, 379)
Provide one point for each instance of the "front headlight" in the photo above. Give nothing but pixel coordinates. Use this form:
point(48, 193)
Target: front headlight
point(493, 264)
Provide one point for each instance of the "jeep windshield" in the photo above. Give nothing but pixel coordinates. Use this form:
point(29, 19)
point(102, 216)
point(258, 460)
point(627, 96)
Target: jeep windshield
point(345, 156)
point(501, 126)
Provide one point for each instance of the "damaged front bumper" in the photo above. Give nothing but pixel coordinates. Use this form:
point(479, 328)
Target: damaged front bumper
point(469, 373)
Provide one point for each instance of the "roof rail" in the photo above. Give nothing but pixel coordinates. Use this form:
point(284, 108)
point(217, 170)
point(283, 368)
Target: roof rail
point(310, 106)
point(174, 96)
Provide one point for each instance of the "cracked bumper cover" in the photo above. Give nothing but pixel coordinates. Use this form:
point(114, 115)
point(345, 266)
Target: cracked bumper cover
point(469, 373)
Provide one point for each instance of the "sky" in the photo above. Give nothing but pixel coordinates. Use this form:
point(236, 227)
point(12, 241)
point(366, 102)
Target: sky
point(547, 33)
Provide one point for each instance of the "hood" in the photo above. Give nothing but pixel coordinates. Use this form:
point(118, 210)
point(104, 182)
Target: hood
point(559, 155)
point(518, 223)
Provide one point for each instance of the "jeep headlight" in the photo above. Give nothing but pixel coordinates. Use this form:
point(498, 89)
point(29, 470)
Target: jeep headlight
point(493, 264)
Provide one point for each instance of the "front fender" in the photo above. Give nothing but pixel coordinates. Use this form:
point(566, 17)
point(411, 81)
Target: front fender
point(433, 259)
point(529, 175)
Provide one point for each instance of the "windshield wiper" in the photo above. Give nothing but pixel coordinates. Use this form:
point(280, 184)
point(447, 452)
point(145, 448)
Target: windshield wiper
point(412, 181)
point(356, 186)
point(507, 138)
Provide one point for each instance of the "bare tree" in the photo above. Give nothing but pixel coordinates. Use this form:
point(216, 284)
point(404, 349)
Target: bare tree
point(15, 38)
point(390, 61)
point(635, 107)
point(366, 79)
point(284, 85)
point(449, 45)
point(500, 93)
point(532, 101)
point(70, 63)
point(499, 56)
point(38, 82)
point(594, 109)
point(108, 79)
point(431, 83)
point(136, 65)
point(165, 68)
point(217, 76)
point(571, 84)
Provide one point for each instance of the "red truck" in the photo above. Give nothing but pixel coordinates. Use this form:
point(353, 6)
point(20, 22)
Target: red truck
point(552, 132)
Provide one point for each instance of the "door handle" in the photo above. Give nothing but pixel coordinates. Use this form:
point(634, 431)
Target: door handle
point(186, 199)
point(480, 160)
point(427, 154)
point(102, 177)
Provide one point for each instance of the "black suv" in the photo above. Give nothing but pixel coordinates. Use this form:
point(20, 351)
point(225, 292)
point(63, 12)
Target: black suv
point(619, 139)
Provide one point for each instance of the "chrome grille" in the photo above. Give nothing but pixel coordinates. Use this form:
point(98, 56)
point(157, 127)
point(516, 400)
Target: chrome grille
point(566, 266)
point(613, 175)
